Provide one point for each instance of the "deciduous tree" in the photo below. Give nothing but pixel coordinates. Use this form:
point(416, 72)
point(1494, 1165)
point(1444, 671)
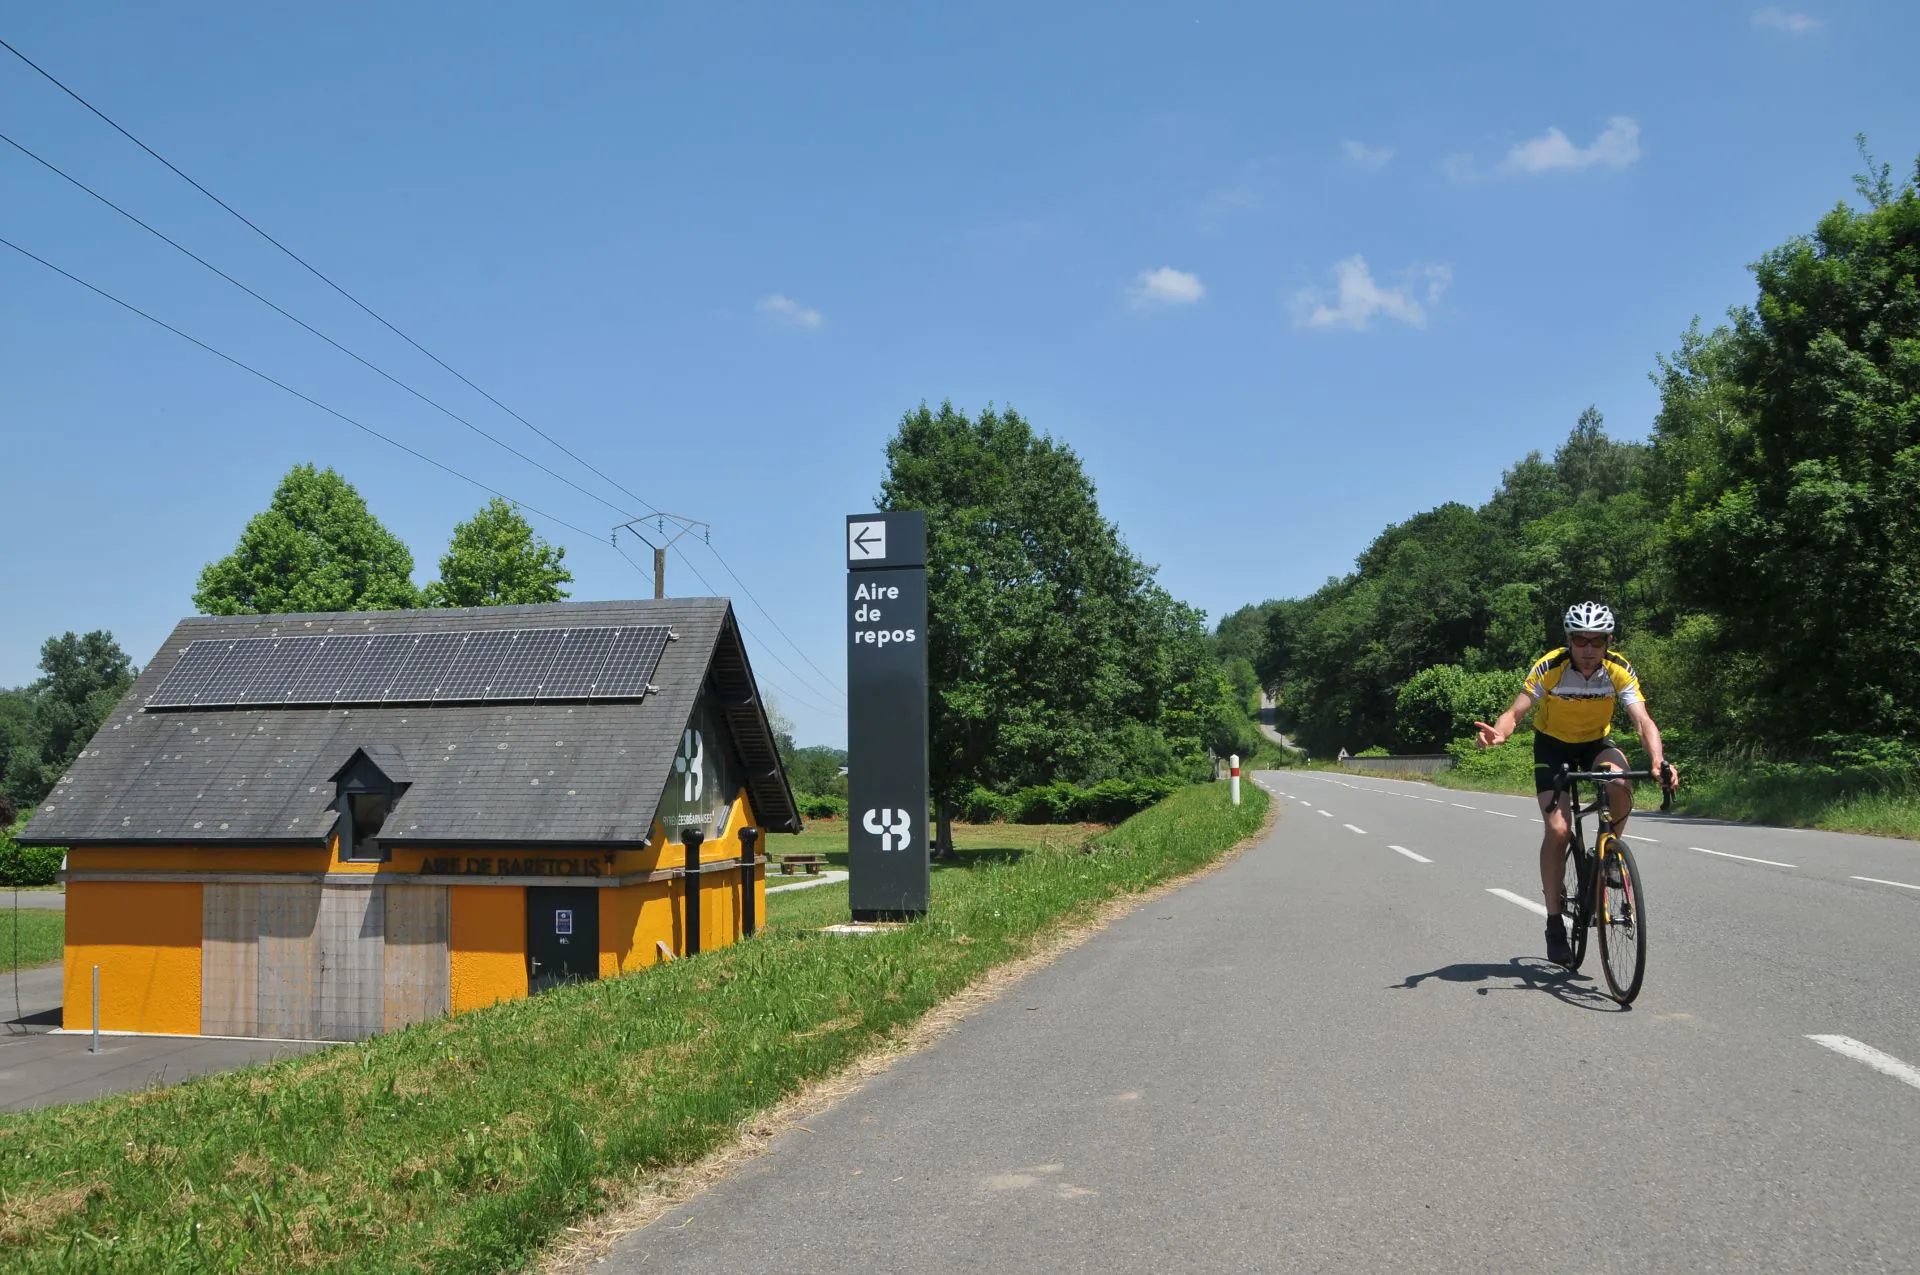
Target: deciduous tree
point(495, 559)
point(315, 548)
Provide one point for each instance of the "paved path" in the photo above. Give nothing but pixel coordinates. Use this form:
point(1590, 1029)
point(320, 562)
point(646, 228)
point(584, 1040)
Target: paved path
point(41, 1068)
point(1270, 715)
point(50, 900)
point(1332, 1056)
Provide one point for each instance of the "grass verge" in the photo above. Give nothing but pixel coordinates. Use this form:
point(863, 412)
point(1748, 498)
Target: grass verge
point(41, 935)
point(465, 1145)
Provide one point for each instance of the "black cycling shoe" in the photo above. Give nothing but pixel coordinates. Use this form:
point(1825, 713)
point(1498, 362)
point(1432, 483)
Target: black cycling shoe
point(1559, 951)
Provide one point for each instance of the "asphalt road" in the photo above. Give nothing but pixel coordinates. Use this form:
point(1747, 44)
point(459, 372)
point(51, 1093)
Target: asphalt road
point(1331, 1056)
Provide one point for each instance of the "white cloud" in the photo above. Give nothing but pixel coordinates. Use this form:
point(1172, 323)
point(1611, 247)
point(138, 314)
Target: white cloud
point(790, 312)
point(1371, 159)
point(1781, 20)
point(1165, 286)
point(1360, 297)
point(1616, 147)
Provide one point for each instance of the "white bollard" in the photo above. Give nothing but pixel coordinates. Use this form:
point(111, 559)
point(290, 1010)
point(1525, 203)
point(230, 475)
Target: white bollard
point(1234, 761)
point(96, 1009)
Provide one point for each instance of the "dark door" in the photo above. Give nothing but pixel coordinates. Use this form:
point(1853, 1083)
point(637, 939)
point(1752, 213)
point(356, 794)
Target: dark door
point(563, 936)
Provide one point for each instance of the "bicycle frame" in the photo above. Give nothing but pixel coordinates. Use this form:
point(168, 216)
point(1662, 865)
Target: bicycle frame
point(1568, 781)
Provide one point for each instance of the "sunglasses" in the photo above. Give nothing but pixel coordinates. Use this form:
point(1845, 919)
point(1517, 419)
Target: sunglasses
point(1587, 639)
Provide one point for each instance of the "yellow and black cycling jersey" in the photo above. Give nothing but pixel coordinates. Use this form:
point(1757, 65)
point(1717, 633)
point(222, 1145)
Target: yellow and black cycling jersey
point(1576, 708)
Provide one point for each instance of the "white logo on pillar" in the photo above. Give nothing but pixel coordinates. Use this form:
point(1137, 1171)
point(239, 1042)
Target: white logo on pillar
point(893, 827)
point(690, 762)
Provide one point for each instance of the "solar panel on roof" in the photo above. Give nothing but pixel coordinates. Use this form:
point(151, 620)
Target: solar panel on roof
point(630, 663)
point(246, 660)
point(195, 664)
point(472, 668)
point(331, 659)
point(524, 667)
point(420, 673)
point(366, 682)
point(289, 656)
point(444, 666)
point(583, 652)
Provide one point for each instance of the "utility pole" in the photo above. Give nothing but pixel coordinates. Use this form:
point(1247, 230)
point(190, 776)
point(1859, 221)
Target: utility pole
point(659, 532)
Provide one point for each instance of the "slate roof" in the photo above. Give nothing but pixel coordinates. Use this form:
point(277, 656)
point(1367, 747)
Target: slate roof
point(501, 774)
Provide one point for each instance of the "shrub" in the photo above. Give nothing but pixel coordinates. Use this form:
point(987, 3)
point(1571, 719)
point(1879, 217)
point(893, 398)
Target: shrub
point(27, 865)
point(981, 806)
point(821, 805)
point(1375, 751)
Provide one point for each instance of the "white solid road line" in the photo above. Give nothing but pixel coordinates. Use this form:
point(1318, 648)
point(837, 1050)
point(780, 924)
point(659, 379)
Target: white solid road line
point(1885, 1064)
point(1417, 858)
point(1350, 828)
point(1528, 904)
point(1743, 858)
point(1878, 881)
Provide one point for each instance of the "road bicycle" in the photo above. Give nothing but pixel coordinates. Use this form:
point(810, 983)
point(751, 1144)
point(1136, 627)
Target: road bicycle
point(1617, 910)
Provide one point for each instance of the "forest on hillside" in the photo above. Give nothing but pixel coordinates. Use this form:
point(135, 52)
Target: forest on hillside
point(1762, 547)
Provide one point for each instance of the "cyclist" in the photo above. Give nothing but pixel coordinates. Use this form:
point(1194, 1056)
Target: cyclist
point(1576, 688)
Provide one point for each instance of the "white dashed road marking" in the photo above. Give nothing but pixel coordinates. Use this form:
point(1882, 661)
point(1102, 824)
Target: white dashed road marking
point(1634, 836)
point(1417, 858)
point(1877, 881)
point(1455, 803)
point(1327, 813)
point(1885, 1064)
point(1743, 858)
point(1503, 814)
point(1537, 908)
point(1350, 828)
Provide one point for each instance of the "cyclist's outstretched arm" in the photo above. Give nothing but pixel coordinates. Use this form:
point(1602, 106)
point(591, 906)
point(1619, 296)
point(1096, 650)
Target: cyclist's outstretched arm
point(1650, 737)
point(1498, 733)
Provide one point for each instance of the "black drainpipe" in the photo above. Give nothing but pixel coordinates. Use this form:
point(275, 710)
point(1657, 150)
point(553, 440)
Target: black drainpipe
point(691, 838)
point(748, 836)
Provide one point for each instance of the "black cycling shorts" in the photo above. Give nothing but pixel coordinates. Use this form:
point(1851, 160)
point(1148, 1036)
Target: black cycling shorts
point(1550, 754)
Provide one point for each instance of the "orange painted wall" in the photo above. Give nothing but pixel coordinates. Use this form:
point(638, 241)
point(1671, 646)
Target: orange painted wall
point(632, 920)
point(146, 940)
point(487, 944)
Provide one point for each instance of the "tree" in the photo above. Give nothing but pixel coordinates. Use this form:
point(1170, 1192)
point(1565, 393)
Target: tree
point(315, 548)
point(83, 677)
point(1051, 654)
point(495, 559)
point(1798, 525)
point(1591, 466)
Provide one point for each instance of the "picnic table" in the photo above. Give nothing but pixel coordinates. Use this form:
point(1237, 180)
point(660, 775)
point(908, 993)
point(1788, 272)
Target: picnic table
point(792, 863)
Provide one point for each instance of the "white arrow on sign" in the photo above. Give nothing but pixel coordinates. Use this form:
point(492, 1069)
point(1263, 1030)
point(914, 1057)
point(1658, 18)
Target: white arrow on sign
point(866, 540)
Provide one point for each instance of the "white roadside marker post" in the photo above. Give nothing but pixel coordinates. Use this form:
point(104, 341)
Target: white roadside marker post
point(96, 1011)
point(1234, 761)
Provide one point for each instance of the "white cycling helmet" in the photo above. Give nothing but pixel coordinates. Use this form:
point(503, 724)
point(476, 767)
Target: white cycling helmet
point(1589, 617)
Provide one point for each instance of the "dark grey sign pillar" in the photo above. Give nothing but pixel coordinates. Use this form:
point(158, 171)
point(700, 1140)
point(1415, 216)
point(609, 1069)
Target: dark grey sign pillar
point(887, 795)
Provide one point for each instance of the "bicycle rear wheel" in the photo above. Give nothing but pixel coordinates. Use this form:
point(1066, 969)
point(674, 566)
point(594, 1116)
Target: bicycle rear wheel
point(1570, 908)
point(1622, 921)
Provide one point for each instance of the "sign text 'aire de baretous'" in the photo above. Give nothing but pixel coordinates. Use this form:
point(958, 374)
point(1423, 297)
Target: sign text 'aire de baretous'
point(887, 796)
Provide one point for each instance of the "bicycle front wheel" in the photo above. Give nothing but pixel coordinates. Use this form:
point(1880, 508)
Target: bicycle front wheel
point(1622, 921)
point(1570, 908)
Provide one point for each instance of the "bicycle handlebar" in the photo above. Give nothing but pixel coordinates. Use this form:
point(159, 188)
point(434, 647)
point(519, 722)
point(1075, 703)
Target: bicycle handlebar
point(1561, 778)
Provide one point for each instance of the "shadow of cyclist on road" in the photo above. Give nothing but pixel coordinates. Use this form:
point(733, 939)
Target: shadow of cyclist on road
point(1522, 974)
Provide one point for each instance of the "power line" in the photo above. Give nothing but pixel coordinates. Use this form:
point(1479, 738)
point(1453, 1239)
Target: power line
point(317, 273)
point(801, 677)
point(292, 318)
point(305, 398)
point(746, 633)
point(770, 620)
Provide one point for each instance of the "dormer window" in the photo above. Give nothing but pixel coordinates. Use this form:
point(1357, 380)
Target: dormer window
point(366, 811)
point(367, 788)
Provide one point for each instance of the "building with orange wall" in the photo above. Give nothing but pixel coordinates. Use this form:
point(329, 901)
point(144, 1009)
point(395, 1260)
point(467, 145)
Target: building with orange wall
point(321, 827)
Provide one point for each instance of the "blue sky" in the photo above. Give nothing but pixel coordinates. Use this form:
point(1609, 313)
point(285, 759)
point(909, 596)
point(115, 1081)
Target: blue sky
point(1279, 275)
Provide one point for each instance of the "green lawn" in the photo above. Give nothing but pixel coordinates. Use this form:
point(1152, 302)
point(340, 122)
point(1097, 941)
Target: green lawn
point(468, 1144)
point(41, 934)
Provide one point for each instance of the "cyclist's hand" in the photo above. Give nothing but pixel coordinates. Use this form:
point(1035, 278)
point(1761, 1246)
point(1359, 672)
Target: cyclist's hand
point(1669, 775)
point(1489, 737)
